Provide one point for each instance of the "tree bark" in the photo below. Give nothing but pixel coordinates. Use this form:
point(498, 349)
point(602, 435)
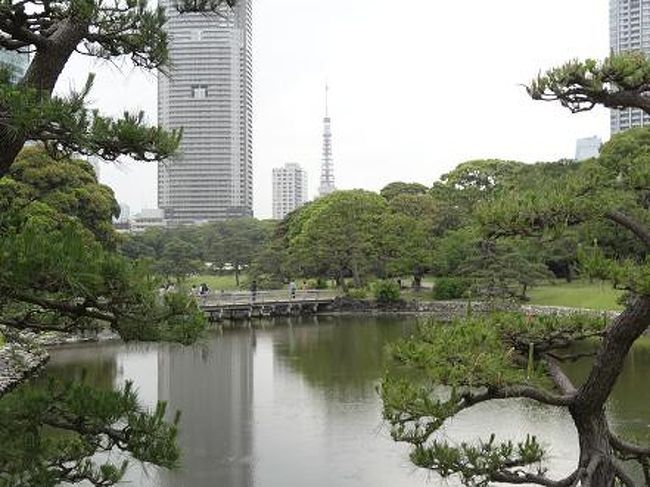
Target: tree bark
point(355, 274)
point(618, 340)
point(597, 461)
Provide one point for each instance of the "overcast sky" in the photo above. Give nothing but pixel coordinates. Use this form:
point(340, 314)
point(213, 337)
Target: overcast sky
point(416, 87)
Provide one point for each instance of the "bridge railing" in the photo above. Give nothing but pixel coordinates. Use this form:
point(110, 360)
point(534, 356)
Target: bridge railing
point(226, 298)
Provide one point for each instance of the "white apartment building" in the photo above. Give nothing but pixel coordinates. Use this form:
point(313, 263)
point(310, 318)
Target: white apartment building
point(208, 93)
point(289, 189)
point(147, 218)
point(629, 30)
point(588, 147)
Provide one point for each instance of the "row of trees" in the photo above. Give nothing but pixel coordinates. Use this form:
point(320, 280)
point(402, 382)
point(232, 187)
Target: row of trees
point(405, 230)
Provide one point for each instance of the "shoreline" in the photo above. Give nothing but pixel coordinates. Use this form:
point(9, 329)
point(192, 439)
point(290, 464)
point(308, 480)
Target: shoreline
point(20, 361)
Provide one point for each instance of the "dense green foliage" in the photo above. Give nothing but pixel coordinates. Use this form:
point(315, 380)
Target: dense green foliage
point(446, 288)
point(593, 213)
point(386, 292)
point(58, 272)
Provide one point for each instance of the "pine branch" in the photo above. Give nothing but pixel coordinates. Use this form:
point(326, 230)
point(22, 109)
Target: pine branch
point(530, 478)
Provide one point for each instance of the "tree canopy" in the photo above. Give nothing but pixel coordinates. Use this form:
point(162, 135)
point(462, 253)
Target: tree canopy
point(58, 273)
point(514, 356)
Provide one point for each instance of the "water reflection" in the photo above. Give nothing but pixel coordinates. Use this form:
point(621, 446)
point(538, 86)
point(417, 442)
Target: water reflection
point(212, 384)
point(294, 404)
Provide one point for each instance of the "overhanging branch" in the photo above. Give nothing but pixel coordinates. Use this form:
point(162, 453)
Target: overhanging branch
point(631, 224)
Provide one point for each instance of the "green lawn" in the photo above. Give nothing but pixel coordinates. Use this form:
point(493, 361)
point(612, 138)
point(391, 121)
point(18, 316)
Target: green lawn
point(218, 283)
point(579, 294)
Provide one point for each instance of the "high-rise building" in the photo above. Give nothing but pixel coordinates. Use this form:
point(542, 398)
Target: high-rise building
point(588, 147)
point(289, 189)
point(629, 30)
point(327, 185)
point(208, 93)
point(16, 62)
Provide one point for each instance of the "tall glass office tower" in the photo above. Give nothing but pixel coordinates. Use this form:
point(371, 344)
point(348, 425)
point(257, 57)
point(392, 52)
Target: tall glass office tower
point(208, 93)
point(629, 30)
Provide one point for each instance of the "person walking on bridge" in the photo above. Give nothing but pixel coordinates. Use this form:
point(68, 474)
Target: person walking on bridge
point(253, 291)
point(292, 290)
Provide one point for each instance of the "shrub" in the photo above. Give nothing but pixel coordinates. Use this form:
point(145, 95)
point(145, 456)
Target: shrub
point(357, 293)
point(386, 291)
point(319, 283)
point(450, 288)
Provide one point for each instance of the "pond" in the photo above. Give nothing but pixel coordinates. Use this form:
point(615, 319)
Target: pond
point(294, 403)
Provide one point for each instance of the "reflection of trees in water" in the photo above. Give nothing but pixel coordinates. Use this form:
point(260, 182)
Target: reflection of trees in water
point(339, 355)
point(628, 405)
point(97, 364)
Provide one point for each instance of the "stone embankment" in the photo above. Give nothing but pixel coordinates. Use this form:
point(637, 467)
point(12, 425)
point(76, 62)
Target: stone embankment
point(17, 362)
point(449, 310)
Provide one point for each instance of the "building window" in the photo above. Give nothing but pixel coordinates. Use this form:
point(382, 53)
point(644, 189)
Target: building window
point(197, 35)
point(199, 91)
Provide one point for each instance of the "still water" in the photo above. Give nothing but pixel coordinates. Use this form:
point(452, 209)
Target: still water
point(294, 403)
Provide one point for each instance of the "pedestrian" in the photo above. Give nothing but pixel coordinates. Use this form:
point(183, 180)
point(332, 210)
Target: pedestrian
point(203, 289)
point(292, 290)
point(253, 291)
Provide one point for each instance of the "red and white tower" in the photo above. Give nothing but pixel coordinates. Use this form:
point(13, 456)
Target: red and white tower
point(327, 167)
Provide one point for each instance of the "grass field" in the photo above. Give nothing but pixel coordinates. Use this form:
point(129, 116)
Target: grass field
point(218, 283)
point(579, 294)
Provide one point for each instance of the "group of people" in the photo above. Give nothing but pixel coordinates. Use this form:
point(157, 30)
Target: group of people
point(202, 290)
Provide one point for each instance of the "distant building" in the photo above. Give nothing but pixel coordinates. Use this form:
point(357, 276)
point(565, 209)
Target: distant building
point(629, 30)
point(208, 92)
point(148, 218)
point(17, 62)
point(125, 213)
point(588, 148)
point(289, 189)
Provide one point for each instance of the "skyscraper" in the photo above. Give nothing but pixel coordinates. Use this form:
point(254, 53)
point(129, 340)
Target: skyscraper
point(289, 189)
point(208, 93)
point(629, 30)
point(327, 167)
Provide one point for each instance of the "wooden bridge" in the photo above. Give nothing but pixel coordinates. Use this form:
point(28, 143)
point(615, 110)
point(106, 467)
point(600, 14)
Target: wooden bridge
point(221, 306)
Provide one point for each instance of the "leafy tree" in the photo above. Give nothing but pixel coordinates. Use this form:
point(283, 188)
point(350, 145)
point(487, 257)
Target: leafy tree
point(335, 236)
point(236, 242)
point(453, 250)
point(179, 259)
point(473, 181)
point(386, 292)
point(57, 276)
point(399, 188)
point(505, 269)
point(404, 246)
point(517, 356)
point(69, 186)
